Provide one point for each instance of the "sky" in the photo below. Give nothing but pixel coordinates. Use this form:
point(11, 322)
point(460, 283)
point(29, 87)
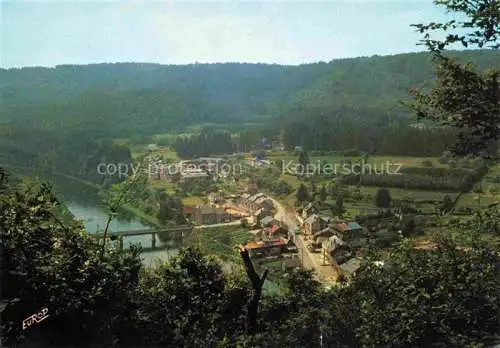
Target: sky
point(49, 33)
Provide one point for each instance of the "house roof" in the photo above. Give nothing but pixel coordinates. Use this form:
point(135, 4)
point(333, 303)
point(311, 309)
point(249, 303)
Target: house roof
point(267, 220)
point(326, 219)
point(256, 196)
point(273, 229)
point(309, 205)
point(235, 209)
point(252, 245)
point(208, 209)
point(258, 211)
point(336, 243)
point(292, 262)
point(351, 226)
point(351, 266)
point(336, 240)
point(322, 232)
point(261, 200)
point(311, 219)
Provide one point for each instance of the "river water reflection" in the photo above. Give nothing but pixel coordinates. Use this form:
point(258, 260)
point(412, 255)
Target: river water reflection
point(84, 204)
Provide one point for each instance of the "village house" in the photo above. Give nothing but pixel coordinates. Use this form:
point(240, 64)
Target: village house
point(209, 164)
point(273, 232)
point(268, 221)
point(264, 202)
point(255, 202)
point(152, 147)
point(308, 210)
point(312, 224)
point(322, 235)
point(290, 263)
point(350, 267)
point(251, 204)
point(191, 174)
point(315, 223)
point(265, 248)
point(207, 215)
point(261, 213)
point(337, 250)
point(243, 198)
point(347, 231)
point(236, 211)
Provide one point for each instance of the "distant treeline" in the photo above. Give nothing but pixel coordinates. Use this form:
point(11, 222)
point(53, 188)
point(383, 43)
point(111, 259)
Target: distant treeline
point(380, 134)
point(391, 140)
point(129, 100)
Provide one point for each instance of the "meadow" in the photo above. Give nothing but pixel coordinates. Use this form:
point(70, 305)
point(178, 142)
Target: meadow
point(220, 241)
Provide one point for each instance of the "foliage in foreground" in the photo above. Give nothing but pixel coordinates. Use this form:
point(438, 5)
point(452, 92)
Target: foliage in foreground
point(448, 295)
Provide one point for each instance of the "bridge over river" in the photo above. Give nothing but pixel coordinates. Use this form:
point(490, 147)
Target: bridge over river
point(180, 230)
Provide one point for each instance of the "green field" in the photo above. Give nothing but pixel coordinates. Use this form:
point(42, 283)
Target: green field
point(415, 195)
point(164, 185)
point(192, 200)
point(220, 241)
point(139, 150)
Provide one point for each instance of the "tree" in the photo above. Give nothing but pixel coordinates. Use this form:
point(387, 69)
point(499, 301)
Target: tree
point(302, 194)
point(257, 283)
point(409, 227)
point(413, 299)
point(383, 198)
point(313, 188)
point(115, 302)
point(447, 204)
point(339, 209)
point(493, 190)
point(171, 210)
point(322, 194)
point(279, 164)
point(303, 161)
point(464, 98)
point(49, 263)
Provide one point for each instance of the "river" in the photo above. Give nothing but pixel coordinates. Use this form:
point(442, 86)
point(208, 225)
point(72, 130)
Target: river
point(84, 204)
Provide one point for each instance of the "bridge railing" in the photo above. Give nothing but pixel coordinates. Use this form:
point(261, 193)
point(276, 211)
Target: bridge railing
point(153, 232)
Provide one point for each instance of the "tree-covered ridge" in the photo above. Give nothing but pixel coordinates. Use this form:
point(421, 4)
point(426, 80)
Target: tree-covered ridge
point(76, 154)
point(123, 98)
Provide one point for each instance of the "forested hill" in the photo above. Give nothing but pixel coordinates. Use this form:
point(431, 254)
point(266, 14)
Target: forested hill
point(124, 98)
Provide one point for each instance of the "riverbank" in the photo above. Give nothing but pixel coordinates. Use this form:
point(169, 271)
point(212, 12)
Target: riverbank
point(145, 218)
